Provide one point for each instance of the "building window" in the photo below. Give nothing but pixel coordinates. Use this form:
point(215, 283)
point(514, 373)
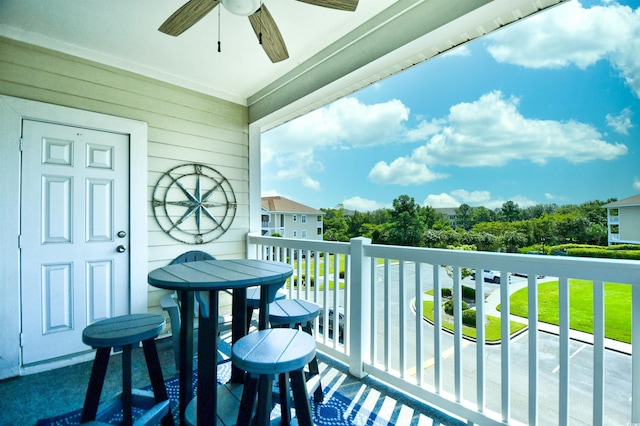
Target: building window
point(303, 218)
point(319, 218)
point(295, 234)
point(319, 231)
point(304, 233)
point(295, 217)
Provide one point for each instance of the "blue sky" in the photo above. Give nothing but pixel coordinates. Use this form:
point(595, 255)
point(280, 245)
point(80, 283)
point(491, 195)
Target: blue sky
point(543, 111)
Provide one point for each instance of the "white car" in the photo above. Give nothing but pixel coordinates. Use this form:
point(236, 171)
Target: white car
point(489, 276)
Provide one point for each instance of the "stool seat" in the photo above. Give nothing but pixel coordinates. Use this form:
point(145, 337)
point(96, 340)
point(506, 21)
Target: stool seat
point(123, 330)
point(292, 311)
point(273, 351)
point(264, 354)
point(253, 296)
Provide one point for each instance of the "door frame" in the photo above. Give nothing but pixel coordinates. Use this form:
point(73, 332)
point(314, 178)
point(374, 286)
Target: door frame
point(12, 112)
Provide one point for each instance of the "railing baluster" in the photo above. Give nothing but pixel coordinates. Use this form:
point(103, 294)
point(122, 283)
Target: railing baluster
point(457, 331)
point(336, 300)
point(437, 329)
point(635, 349)
point(532, 309)
point(563, 400)
point(480, 343)
point(374, 306)
point(419, 329)
point(325, 297)
point(598, 353)
point(387, 317)
point(316, 276)
point(505, 339)
point(403, 319)
point(346, 303)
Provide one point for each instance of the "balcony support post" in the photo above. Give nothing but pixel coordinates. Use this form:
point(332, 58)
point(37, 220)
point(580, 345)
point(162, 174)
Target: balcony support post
point(359, 310)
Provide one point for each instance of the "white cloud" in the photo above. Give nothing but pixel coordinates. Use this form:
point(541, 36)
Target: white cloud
point(621, 123)
point(440, 201)
point(492, 132)
point(474, 199)
point(289, 150)
point(636, 183)
point(610, 32)
point(270, 193)
point(402, 171)
point(347, 121)
point(363, 205)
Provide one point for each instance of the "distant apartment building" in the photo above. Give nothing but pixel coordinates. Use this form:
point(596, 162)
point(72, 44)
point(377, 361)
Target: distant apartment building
point(449, 213)
point(290, 219)
point(623, 220)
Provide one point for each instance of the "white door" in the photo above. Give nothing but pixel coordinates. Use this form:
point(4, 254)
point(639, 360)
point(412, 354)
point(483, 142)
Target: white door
point(74, 235)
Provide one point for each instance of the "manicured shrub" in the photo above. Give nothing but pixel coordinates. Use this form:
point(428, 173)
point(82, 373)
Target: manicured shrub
point(468, 293)
point(448, 306)
point(469, 317)
point(446, 292)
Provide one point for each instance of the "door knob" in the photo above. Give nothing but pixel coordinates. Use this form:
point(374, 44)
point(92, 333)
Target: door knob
point(121, 249)
point(122, 234)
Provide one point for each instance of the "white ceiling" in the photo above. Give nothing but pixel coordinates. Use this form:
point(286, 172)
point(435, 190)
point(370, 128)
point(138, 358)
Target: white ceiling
point(331, 52)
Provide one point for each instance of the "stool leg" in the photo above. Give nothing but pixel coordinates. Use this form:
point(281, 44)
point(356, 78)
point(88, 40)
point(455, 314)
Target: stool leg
point(155, 375)
point(318, 396)
point(94, 390)
point(283, 385)
point(265, 389)
point(127, 412)
point(249, 394)
point(301, 398)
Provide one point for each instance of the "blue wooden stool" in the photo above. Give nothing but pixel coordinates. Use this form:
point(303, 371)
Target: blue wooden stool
point(253, 301)
point(265, 354)
point(125, 332)
point(294, 313)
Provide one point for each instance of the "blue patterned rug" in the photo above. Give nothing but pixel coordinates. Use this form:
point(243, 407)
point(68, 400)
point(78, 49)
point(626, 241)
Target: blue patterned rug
point(336, 410)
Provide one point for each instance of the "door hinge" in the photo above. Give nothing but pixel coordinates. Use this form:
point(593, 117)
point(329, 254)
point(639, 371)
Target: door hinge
point(19, 242)
point(21, 142)
point(21, 340)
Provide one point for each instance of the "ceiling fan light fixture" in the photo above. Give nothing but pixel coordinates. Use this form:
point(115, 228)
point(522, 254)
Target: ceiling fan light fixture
point(241, 7)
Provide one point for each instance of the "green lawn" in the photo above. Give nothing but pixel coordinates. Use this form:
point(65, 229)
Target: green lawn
point(617, 301)
point(492, 329)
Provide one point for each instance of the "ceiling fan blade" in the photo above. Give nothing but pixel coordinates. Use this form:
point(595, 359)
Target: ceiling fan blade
point(269, 35)
point(348, 5)
point(185, 17)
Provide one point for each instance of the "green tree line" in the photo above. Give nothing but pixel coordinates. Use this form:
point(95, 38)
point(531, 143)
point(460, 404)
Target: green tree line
point(508, 228)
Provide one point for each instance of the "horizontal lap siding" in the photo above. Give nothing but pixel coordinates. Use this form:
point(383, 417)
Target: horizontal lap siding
point(183, 127)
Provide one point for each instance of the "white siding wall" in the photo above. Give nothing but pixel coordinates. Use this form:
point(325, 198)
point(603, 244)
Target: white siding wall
point(629, 224)
point(183, 127)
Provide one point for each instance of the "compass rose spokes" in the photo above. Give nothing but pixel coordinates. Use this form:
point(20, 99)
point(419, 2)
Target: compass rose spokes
point(198, 205)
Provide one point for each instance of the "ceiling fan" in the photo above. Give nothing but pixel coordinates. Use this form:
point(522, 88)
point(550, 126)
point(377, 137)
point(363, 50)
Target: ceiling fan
point(261, 20)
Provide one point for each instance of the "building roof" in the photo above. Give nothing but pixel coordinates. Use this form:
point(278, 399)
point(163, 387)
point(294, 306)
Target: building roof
point(282, 204)
point(449, 211)
point(630, 201)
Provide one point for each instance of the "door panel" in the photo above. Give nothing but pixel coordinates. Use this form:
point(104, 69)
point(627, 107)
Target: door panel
point(75, 202)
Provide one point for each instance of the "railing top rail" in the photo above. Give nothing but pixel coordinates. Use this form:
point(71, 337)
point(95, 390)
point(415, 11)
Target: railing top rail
point(610, 270)
point(312, 245)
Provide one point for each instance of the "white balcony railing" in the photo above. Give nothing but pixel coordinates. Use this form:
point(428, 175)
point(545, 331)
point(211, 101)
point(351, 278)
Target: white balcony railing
point(535, 378)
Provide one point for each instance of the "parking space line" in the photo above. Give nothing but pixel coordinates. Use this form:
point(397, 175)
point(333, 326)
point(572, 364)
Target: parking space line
point(555, 370)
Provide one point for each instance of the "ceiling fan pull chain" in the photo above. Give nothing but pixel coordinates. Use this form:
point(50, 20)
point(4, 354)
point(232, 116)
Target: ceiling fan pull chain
point(219, 42)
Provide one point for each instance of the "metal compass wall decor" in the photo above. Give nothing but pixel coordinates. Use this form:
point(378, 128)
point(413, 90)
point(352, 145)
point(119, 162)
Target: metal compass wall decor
point(194, 203)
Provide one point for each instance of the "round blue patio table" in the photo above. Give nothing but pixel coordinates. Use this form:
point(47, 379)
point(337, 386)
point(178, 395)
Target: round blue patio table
point(211, 276)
